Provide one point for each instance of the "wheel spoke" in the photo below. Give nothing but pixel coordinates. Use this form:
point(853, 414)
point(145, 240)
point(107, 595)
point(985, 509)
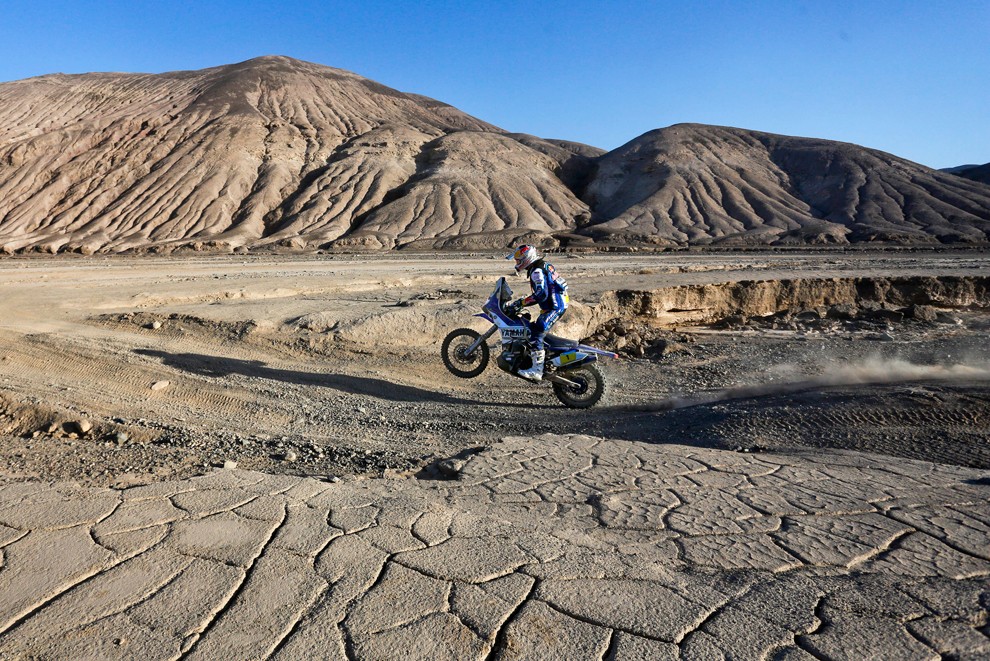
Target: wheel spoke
point(584, 389)
point(454, 352)
point(462, 355)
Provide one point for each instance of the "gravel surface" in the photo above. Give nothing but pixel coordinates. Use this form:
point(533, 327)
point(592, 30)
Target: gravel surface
point(181, 366)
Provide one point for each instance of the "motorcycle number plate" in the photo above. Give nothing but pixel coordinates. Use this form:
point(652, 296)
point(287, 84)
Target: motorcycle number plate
point(569, 357)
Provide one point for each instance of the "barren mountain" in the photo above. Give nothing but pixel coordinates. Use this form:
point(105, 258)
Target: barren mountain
point(274, 151)
point(980, 173)
point(474, 190)
point(706, 184)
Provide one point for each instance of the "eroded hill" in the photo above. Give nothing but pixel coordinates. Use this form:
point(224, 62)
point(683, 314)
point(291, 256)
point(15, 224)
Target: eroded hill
point(278, 152)
point(979, 173)
point(695, 184)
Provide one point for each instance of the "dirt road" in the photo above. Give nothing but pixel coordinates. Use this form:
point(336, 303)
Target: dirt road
point(324, 365)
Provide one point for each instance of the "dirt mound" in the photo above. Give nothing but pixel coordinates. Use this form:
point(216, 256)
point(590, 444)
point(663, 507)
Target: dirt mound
point(695, 184)
point(174, 323)
point(401, 326)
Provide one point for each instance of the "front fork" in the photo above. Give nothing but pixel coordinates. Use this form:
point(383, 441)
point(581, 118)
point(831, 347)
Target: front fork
point(477, 343)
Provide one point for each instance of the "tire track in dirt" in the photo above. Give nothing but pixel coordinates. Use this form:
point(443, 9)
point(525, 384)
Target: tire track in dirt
point(109, 379)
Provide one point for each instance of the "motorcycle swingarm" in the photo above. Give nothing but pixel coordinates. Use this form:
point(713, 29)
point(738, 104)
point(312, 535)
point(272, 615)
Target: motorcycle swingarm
point(556, 378)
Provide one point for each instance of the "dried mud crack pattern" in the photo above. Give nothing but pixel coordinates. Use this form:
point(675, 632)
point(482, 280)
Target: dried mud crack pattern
point(550, 547)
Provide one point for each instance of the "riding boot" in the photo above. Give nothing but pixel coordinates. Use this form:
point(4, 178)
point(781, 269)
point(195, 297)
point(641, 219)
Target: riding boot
point(535, 373)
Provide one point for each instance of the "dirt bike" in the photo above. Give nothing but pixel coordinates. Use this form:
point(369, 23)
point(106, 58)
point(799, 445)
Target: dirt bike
point(569, 366)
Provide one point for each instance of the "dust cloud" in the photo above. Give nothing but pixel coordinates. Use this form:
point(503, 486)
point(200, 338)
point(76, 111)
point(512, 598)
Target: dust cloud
point(789, 378)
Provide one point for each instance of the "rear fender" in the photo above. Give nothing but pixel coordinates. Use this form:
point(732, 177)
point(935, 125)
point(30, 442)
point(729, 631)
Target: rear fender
point(583, 348)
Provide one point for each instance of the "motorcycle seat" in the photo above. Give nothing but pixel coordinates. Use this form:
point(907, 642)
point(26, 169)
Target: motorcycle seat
point(559, 343)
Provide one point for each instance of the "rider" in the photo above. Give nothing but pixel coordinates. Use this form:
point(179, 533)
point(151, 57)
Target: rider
point(550, 292)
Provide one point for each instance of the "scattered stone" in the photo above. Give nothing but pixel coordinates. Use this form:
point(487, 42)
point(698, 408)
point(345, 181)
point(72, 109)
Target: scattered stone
point(52, 428)
point(230, 464)
point(842, 312)
point(155, 325)
point(82, 426)
point(661, 347)
point(948, 318)
point(160, 385)
point(291, 456)
point(808, 316)
point(922, 313)
point(451, 467)
point(121, 438)
point(733, 321)
point(882, 314)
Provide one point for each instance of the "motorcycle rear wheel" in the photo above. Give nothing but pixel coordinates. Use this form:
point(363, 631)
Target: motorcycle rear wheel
point(453, 353)
point(590, 388)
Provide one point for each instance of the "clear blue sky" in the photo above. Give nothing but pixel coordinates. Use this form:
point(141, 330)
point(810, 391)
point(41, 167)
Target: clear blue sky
point(909, 77)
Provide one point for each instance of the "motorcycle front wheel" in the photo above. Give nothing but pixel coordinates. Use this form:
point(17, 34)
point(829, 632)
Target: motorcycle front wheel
point(455, 356)
point(588, 389)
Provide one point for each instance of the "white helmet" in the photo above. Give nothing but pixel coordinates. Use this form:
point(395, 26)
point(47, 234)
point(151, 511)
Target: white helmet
point(525, 256)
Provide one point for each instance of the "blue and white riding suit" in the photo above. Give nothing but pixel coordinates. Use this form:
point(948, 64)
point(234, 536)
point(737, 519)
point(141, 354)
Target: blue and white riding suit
point(550, 292)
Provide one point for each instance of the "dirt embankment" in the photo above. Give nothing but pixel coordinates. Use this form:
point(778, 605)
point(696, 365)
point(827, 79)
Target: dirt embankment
point(874, 301)
point(706, 304)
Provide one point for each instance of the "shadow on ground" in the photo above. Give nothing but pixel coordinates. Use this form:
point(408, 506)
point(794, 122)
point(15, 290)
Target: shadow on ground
point(938, 422)
point(220, 366)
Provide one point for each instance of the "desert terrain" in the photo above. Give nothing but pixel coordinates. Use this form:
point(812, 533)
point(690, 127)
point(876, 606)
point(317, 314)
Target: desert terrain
point(226, 430)
point(334, 359)
point(263, 456)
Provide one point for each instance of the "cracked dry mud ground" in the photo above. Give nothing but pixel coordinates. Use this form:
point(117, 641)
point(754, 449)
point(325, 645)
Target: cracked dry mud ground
point(651, 540)
point(567, 547)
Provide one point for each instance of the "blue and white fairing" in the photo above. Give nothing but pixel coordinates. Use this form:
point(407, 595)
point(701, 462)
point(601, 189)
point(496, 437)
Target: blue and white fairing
point(512, 328)
point(561, 352)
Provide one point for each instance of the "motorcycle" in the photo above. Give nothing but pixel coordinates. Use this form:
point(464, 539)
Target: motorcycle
point(569, 366)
